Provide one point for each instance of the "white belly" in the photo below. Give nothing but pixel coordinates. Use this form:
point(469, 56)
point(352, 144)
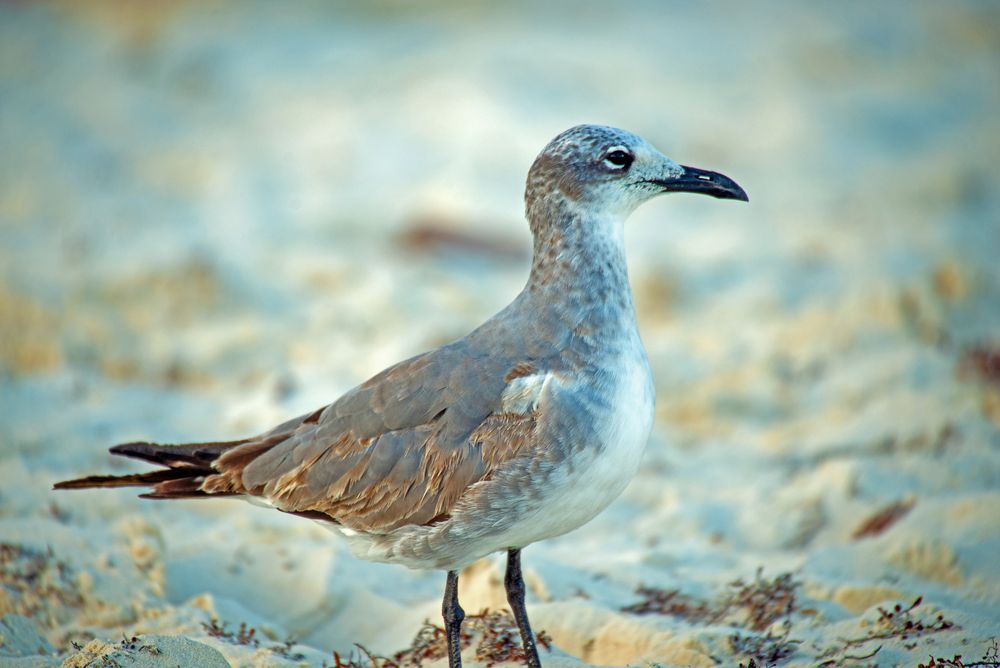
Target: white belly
point(595, 476)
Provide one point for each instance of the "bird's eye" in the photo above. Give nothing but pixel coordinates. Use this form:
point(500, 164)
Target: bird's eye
point(618, 159)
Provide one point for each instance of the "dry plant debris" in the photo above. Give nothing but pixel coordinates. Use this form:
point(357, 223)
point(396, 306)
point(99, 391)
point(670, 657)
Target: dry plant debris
point(982, 361)
point(762, 601)
point(902, 624)
point(770, 649)
point(247, 636)
point(883, 519)
point(133, 645)
point(670, 602)
point(432, 235)
point(97, 654)
point(243, 636)
point(990, 660)
point(499, 641)
point(36, 584)
point(753, 605)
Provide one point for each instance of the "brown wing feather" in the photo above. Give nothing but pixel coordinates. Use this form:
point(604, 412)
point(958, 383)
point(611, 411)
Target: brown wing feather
point(399, 449)
point(419, 484)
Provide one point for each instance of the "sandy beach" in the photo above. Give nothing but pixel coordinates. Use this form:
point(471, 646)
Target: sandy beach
point(215, 217)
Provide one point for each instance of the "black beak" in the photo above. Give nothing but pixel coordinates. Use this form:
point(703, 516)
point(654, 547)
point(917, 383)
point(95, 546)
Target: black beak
point(704, 182)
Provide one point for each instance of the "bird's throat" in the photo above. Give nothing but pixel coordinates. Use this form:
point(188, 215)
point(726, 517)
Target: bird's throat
point(579, 262)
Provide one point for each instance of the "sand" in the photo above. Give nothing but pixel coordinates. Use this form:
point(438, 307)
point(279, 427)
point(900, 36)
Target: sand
point(215, 217)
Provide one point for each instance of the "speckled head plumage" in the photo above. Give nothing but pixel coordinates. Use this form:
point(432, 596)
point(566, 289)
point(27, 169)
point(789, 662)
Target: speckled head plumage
point(610, 172)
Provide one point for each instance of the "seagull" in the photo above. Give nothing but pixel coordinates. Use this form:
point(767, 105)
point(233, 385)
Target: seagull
point(523, 430)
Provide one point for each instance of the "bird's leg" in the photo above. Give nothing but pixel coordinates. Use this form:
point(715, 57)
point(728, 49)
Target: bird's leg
point(514, 583)
point(453, 616)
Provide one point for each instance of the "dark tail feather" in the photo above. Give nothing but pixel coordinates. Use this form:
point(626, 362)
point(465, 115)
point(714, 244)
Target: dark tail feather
point(187, 455)
point(134, 480)
point(183, 488)
point(181, 483)
point(186, 467)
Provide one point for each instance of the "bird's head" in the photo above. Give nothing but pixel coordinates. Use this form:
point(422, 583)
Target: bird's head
point(609, 172)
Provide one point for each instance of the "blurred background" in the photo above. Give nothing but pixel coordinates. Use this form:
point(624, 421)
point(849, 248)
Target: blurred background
point(214, 216)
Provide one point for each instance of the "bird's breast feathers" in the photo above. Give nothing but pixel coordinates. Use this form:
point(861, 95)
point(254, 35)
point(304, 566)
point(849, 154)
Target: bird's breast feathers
point(601, 442)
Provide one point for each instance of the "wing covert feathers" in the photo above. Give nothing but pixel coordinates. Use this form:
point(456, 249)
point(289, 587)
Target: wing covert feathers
point(400, 449)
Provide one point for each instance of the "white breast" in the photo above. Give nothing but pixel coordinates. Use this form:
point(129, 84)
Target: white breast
point(624, 435)
point(597, 474)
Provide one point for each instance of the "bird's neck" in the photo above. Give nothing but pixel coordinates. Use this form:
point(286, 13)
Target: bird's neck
point(579, 265)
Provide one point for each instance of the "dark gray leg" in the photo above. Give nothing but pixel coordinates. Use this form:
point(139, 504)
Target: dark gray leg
point(453, 616)
point(514, 583)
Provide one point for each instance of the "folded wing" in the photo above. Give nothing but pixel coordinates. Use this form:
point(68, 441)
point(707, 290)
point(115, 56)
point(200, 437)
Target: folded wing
point(399, 449)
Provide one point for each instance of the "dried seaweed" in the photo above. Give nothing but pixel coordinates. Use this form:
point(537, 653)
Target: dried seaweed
point(762, 602)
point(990, 660)
point(495, 634)
point(36, 584)
point(902, 624)
point(883, 519)
point(982, 361)
point(247, 636)
point(753, 605)
point(133, 645)
point(670, 602)
point(770, 648)
point(103, 655)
